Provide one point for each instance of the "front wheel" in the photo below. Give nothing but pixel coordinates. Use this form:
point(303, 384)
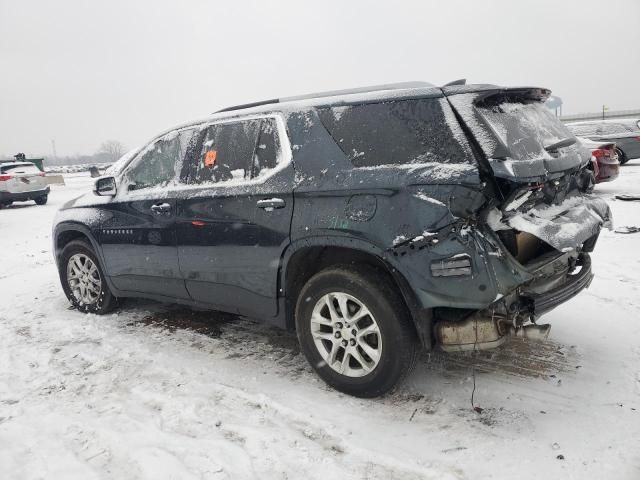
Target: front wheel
point(355, 330)
point(83, 280)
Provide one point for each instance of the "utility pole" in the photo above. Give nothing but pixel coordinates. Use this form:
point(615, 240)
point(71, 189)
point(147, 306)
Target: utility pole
point(604, 107)
point(53, 147)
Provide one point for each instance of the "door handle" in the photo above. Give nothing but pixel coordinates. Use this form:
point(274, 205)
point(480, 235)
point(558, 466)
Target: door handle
point(161, 209)
point(270, 203)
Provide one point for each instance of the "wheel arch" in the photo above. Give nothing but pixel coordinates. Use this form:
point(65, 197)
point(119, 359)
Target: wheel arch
point(308, 256)
point(622, 156)
point(67, 232)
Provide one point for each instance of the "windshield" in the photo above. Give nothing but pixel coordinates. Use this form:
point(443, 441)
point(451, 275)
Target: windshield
point(526, 128)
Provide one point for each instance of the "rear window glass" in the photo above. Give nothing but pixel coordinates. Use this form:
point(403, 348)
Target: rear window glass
point(17, 169)
point(614, 128)
point(525, 127)
point(400, 132)
point(582, 129)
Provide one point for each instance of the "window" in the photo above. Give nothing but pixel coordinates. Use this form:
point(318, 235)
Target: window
point(612, 129)
point(525, 127)
point(398, 132)
point(229, 153)
point(157, 164)
point(267, 154)
point(226, 153)
point(26, 168)
point(582, 130)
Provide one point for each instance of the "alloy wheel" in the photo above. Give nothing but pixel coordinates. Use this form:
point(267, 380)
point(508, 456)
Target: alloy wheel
point(346, 334)
point(84, 279)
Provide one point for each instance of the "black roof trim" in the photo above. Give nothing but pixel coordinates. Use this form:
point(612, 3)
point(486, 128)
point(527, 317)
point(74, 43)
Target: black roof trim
point(333, 93)
point(248, 105)
point(461, 81)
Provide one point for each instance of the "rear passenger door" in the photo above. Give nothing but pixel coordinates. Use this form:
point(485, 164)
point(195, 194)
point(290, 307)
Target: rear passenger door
point(234, 214)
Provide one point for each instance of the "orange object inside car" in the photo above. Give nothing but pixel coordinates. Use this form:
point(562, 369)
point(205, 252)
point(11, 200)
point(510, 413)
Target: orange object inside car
point(210, 158)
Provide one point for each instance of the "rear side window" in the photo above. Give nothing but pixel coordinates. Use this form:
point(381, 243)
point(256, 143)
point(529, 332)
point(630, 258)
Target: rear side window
point(525, 127)
point(396, 133)
point(20, 169)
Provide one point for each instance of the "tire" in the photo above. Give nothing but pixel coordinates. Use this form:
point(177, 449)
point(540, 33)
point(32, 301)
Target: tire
point(622, 158)
point(42, 200)
point(389, 353)
point(93, 294)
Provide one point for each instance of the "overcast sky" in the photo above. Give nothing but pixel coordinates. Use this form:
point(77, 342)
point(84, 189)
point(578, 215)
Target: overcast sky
point(82, 72)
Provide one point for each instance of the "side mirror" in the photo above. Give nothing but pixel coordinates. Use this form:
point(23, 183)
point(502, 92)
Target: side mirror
point(105, 186)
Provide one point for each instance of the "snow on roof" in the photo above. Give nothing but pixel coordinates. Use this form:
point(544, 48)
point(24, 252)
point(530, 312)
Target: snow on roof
point(11, 163)
point(376, 93)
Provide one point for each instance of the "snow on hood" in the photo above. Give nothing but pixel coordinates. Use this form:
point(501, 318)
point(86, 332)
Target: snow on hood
point(565, 226)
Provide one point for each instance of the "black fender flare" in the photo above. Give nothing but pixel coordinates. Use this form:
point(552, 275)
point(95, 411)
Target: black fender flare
point(72, 226)
point(420, 316)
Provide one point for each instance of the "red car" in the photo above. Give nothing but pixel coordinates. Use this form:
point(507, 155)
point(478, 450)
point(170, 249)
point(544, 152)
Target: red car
point(604, 160)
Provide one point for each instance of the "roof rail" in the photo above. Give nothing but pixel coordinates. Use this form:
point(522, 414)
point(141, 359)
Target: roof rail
point(248, 105)
point(333, 93)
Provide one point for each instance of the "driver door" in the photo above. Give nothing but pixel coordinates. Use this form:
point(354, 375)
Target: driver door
point(137, 234)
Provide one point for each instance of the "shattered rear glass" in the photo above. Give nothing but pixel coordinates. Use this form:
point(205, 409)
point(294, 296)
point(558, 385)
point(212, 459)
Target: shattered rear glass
point(525, 127)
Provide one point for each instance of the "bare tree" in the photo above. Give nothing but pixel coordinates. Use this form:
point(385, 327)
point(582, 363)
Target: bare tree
point(112, 150)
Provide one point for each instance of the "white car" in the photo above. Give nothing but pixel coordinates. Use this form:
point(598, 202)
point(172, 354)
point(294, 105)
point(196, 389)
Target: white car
point(22, 181)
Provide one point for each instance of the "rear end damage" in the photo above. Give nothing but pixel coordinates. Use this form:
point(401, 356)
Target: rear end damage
point(539, 225)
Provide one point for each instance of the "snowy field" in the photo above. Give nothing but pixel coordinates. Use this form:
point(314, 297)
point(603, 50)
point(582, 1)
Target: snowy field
point(160, 392)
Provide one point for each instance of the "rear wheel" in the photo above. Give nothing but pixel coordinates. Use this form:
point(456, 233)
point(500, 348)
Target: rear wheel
point(42, 200)
point(622, 158)
point(83, 280)
point(355, 330)
point(5, 204)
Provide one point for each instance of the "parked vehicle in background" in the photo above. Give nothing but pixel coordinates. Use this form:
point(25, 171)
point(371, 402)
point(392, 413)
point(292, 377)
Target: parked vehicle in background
point(624, 132)
point(604, 160)
point(22, 181)
point(373, 221)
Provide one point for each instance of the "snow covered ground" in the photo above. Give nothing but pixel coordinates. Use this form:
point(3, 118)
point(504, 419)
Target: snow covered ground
point(161, 392)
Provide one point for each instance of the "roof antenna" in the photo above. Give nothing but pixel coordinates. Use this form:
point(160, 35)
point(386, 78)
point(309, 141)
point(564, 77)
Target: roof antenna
point(461, 81)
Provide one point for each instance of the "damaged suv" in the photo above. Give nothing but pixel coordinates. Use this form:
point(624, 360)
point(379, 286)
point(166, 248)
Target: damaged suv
point(375, 222)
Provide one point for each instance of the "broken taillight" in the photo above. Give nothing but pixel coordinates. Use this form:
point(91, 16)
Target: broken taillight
point(4, 178)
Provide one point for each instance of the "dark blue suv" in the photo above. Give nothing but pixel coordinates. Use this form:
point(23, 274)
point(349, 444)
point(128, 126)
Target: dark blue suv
point(375, 222)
